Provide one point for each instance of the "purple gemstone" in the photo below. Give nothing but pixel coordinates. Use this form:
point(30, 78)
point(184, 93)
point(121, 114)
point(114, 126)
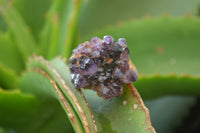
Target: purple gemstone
point(88, 66)
point(80, 48)
point(116, 85)
point(108, 39)
point(79, 81)
point(74, 52)
point(85, 48)
point(105, 90)
point(101, 78)
point(125, 54)
point(73, 76)
point(122, 42)
point(130, 76)
point(98, 46)
point(116, 47)
point(123, 66)
point(100, 69)
point(95, 40)
point(103, 52)
point(86, 51)
point(118, 73)
point(73, 61)
point(102, 65)
point(96, 54)
point(74, 69)
point(109, 91)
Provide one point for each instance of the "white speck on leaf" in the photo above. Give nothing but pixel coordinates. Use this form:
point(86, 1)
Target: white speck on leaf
point(135, 106)
point(125, 102)
point(172, 61)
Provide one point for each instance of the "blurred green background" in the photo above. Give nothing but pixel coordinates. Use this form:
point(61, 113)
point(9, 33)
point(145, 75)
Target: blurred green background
point(152, 19)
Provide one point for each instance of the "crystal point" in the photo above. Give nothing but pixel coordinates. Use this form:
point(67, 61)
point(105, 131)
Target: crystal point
point(108, 39)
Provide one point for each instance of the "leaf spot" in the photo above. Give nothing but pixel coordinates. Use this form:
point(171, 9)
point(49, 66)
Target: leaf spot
point(125, 102)
point(172, 61)
point(135, 106)
point(159, 50)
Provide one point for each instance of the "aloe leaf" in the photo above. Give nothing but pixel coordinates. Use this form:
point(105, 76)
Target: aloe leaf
point(18, 109)
point(2, 24)
point(73, 103)
point(175, 109)
point(3, 130)
point(168, 85)
point(9, 55)
point(59, 30)
point(33, 13)
point(162, 46)
point(105, 113)
point(129, 107)
point(8, 78)
point(21, 35)
point(98, 13)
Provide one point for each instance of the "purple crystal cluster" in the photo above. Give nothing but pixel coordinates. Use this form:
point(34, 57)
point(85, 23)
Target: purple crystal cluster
point(102, 65)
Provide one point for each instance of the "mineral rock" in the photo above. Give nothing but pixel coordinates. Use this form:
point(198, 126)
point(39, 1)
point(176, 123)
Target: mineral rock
point(102, 65)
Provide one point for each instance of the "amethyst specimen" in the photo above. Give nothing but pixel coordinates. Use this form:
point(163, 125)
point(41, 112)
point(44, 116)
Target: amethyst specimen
point(103, 66)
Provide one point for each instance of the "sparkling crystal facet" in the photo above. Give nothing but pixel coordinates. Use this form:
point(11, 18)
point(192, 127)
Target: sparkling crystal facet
point(122, 42)
point(108, 39)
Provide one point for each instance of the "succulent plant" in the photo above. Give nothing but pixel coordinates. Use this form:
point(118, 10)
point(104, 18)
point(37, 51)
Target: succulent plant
point(42, 85)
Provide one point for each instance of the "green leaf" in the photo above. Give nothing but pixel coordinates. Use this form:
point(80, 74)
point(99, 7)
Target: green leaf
point(59, 30)
point(162, 45)
point(18, 109)
point(175, 109)
point(156, 86)
point(21, 35)
point(2, 24)
point(106, 114)
point(133, 114)
point(13, 105)
point(97, 14)
point(33, 13)
point(2, 130)
point(9, 54)
point(159, 47)
point(8, 79)
point(73, 103)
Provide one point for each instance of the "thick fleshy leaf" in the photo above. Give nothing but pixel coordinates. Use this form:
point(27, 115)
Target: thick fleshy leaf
point(22, 37)
point(59, 30)
point(3, 130)
point(72, 101)
point(53, 116)
point(9, 54)
point(33, 13)
point(124, 114)
point(174, 108)
point(162, 45)
point(2, 24)
point(25, 113)
point(8, 78)
point(99, 13)
point(156, 86)
point(105, 113)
